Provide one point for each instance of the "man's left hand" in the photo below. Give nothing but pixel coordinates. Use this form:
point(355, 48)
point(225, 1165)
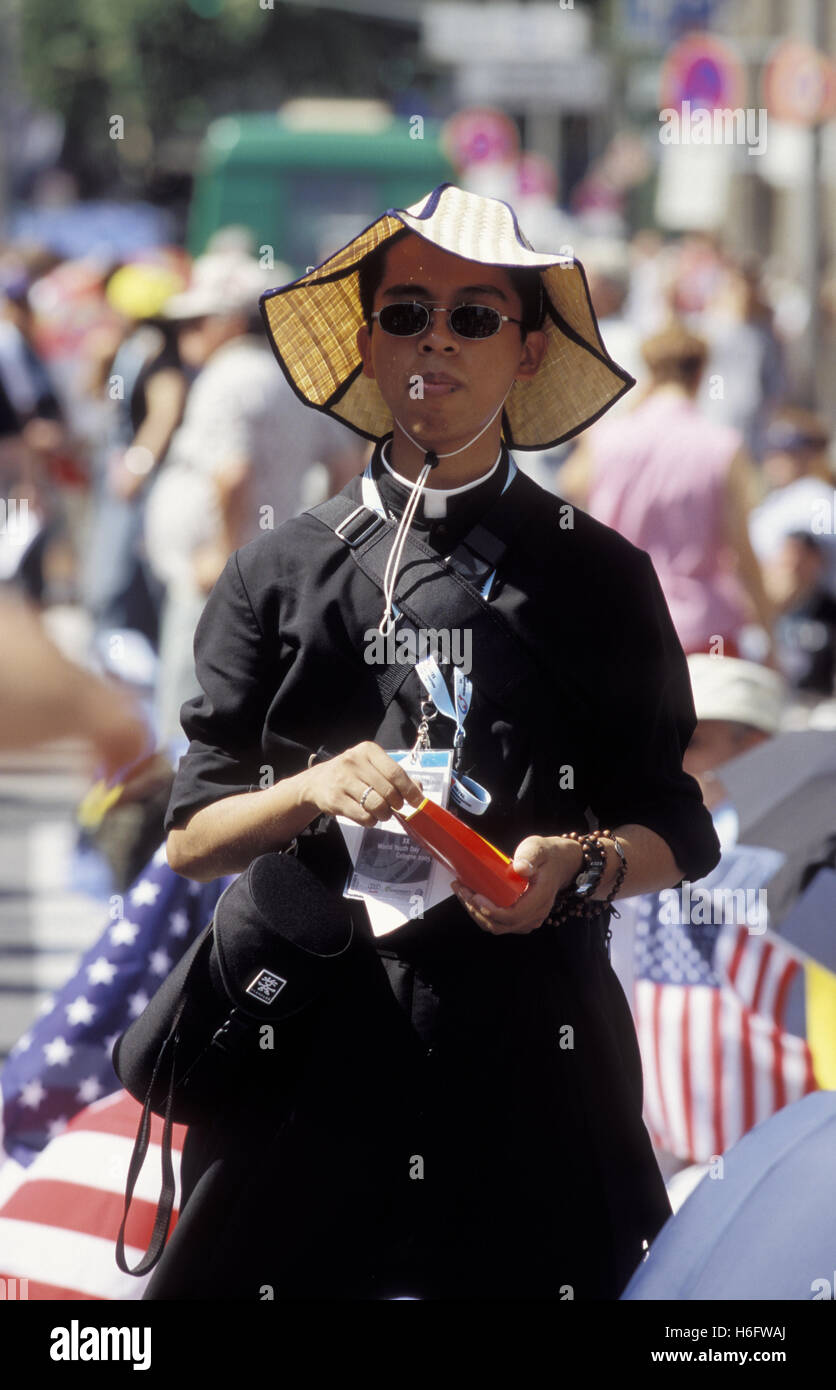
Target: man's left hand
point(549, 864)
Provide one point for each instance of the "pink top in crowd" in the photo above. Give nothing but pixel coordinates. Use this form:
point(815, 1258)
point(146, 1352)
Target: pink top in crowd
point(659, 478)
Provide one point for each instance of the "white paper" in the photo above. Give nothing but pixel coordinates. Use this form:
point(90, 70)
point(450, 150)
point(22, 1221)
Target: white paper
point(397, 879)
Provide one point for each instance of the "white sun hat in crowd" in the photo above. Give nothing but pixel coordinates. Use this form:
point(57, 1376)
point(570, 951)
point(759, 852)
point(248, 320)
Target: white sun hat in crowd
point(724, 687)
point(223, 282)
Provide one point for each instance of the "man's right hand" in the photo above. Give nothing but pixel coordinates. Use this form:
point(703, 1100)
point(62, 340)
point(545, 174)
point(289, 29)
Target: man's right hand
point(337, 786)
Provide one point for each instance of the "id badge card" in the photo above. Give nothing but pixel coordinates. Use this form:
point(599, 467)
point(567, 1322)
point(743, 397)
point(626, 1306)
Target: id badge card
point(395, 877)
point(432, 767)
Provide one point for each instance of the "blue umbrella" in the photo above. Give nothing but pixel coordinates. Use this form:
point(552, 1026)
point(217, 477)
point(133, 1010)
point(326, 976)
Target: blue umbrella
point(766, 1228)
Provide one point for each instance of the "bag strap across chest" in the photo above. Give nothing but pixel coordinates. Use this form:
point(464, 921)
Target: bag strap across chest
point(433, 594)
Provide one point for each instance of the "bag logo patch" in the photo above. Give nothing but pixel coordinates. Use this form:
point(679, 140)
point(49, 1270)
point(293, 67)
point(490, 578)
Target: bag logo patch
point(266, 986)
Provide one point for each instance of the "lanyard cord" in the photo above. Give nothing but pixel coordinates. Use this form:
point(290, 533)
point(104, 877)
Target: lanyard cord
point(387, 622)
point(431, 461)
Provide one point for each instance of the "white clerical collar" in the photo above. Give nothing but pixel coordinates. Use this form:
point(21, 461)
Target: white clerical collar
point(434, 499)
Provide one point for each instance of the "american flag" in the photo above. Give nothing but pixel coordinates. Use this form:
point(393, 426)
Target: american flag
point(59, 1218)
point(63, 1062)
point(719, 1017)
point(59, 1089)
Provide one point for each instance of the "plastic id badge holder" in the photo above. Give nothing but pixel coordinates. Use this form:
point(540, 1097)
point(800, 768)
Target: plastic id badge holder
point(397, 879)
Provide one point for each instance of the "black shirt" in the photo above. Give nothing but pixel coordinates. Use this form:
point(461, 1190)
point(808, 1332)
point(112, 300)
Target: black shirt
point(279, 657)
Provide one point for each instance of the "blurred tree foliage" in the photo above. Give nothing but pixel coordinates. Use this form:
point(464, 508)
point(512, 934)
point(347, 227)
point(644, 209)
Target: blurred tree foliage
point(167, 67)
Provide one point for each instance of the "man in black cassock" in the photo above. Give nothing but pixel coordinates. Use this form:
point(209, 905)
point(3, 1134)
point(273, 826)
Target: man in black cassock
point(466, 1120)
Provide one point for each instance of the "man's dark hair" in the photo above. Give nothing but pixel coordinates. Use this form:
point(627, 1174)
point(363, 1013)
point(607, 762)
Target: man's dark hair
point(526, 283)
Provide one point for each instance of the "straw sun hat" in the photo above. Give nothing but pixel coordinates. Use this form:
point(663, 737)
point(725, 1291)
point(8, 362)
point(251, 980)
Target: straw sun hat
point(312, 324)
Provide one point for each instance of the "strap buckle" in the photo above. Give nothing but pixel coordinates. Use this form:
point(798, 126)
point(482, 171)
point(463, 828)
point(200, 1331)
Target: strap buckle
point(367, 529)
point(232, 1034)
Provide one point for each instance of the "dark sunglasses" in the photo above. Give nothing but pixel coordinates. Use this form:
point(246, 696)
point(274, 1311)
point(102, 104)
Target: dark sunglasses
point(466, 320)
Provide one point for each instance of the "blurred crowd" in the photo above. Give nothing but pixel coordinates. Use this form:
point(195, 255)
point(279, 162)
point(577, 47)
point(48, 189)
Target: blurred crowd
point(711, 464)
point(146, 432)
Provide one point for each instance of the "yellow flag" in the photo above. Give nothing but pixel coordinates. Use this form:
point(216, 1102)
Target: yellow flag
point(96, 803)
point(820, 989)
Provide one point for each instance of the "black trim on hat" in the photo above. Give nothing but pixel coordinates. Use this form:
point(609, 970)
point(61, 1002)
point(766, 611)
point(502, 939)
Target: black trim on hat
point(281, 288)
point(592, 306)
point(303, 284)
point(521, 237)
point(273, 344)
point(584, 425)
point(343, 387)
point(569, 332)
point(433, 200)
point(312, 405)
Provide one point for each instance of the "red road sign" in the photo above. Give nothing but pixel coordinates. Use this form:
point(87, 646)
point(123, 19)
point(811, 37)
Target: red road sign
point(704, 71)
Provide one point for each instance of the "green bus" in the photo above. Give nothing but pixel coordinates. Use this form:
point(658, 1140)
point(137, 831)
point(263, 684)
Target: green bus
point(306, 180)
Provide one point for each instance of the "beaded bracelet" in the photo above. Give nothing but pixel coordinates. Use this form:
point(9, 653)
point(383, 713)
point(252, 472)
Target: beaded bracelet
point(566, 904)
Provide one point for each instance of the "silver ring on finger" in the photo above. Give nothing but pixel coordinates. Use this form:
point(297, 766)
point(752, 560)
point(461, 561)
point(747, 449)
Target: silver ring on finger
point(369, 788)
